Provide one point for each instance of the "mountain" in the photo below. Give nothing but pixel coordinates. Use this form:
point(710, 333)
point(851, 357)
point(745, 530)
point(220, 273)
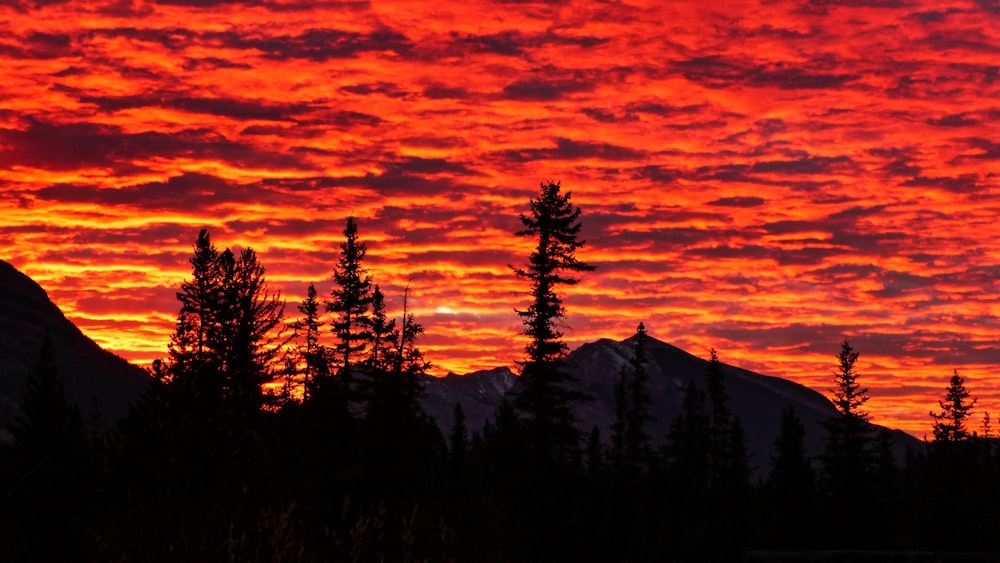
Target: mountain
point(88, 372)
point(479, 393)
point(758, 400)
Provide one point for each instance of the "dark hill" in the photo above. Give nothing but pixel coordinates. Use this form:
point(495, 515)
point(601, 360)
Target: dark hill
point(88, 372)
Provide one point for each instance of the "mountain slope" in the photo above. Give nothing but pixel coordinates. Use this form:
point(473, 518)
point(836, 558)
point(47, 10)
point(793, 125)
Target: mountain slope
point(479, 393)
point(88, 372)
point(757, 400)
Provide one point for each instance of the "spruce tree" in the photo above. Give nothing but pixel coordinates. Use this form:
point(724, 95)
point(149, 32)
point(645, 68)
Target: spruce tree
point(848, 459)
point(545, 399)
point(950, 425)
point(957, 485)
point(351, 297)
point(199, 299)
point(849, 395)
point(256, 331)
point(312, 356)
point(383, 333)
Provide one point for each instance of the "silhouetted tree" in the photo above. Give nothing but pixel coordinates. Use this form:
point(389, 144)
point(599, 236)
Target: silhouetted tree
point(959, 480)
point(848, 456)
point(399, 435)
point(383, 331)
point(312, 355)
point(200, 302)
point(408, 361)
point(351, 297)
point(249, 334)
point(849, 395)
point(227, 337)
point(950, 424)
point(545, 399)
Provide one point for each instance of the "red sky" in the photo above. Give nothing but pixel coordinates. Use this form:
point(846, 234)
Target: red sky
point(765, 179)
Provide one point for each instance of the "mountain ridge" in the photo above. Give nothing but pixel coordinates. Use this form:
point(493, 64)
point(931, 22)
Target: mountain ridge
point(89, 374)
point(757, 400)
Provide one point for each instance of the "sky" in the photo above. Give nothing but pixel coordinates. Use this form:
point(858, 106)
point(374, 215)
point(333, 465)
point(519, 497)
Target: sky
point(765, 179)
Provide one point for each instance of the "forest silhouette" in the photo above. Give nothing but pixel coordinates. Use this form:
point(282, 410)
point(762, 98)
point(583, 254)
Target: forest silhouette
point(267, 438)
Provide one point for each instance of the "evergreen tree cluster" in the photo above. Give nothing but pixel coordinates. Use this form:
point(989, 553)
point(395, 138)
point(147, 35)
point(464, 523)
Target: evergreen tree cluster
point(256, 443)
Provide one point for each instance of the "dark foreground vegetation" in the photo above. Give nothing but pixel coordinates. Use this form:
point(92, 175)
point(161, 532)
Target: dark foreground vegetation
point(254, 444)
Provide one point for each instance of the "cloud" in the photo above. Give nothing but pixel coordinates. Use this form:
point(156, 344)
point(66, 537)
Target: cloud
point(568, 149)
point(716, 71)
point(954, 120)
point(807, 165)
point(234, 108)
point(321, 45)
point(541, 89)
point(738, 201)
point(80, 145)
point(514, 43)
point(965, 183)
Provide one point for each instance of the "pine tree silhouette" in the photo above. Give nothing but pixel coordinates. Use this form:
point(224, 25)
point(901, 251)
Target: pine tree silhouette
point(545, 398)
point(312, 357)
point(351, 297)
point(383, 331)
point(950, 424)
point(848, 458)
point(227, 339)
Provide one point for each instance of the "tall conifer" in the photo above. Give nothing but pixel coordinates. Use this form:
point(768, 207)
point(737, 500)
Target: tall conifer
point(545, 400)
point(351, 297)
point(849, 456)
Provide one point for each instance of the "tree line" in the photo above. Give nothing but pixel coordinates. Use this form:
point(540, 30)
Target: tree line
point(261, 438)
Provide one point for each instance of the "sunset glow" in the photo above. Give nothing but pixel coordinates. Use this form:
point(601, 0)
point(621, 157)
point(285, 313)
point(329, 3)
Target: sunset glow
point(766, 180)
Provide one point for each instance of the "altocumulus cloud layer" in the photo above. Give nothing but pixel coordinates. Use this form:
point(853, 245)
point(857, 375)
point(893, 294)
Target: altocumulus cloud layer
point(767, 180)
